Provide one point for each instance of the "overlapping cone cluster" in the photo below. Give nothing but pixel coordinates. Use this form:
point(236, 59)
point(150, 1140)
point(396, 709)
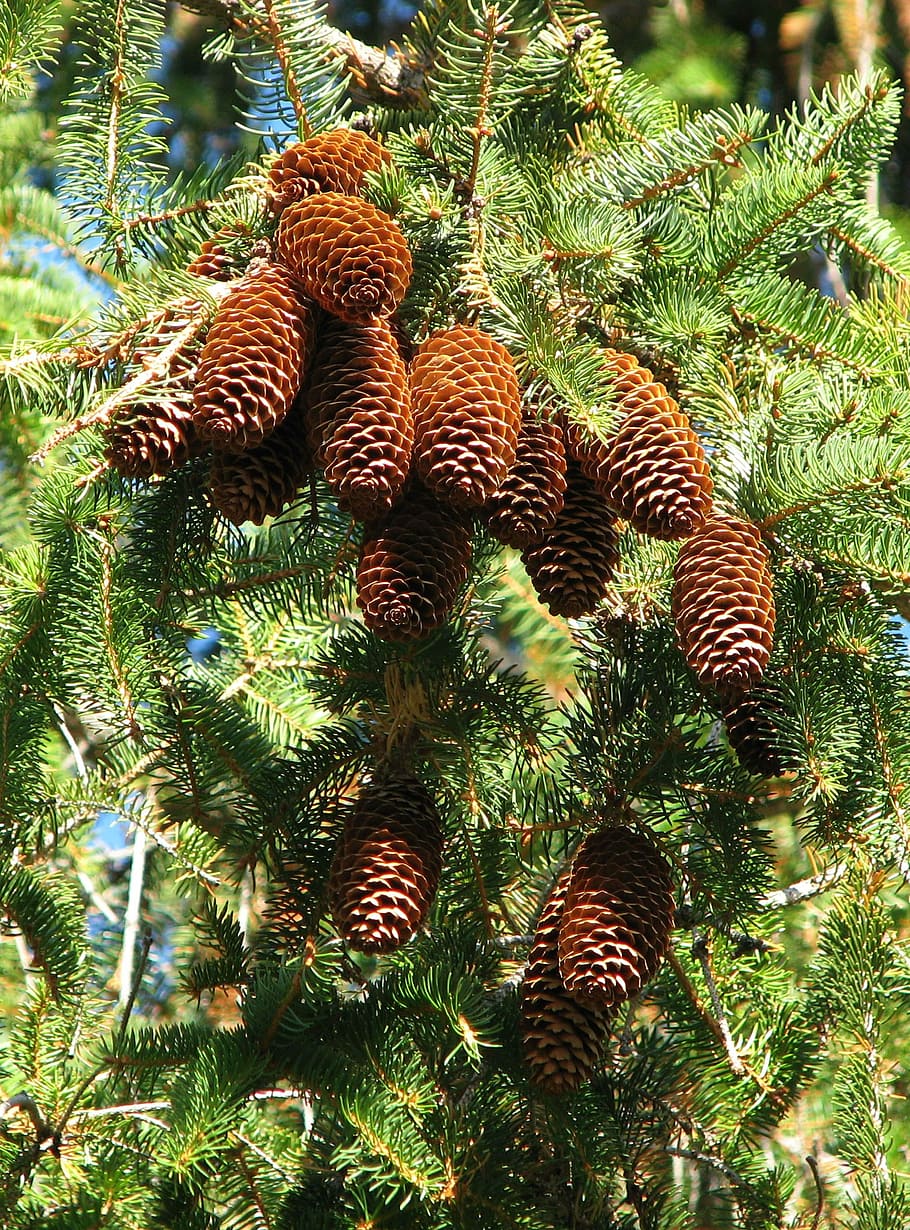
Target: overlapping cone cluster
point(600, 939)
point(387, 865)
point(333, 253)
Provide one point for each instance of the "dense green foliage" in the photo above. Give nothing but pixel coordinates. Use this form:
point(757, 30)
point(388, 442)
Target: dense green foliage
point(186, 1043)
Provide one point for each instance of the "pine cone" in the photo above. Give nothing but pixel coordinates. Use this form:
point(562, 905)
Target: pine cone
point(153, 437)
point(531, 496)
point(562, 1037)
point(751, 728)
point(723, 604)
point(412, 565)
point(350, 256)
point(214, 260)
point(617, 919)
point(571, 566)
point(262, 481)
point(387, 867)
point(467, 414)
point(653, 472)
point(328, 162)
point(253, 360)
point(359, 410)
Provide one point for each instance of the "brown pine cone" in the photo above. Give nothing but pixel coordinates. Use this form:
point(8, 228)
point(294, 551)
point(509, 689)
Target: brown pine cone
point(653, 471)
point(562, 1036)
point(412, 565)
point(467, 414)
point(262, 481)
point(531, 496)
point(214, 260)
point(359, 408)
point(155, 436)
point(350, 256)
point(334, 161)
point(571, 566)
point(386, 869)
point(723, 604)
point(749, 719)
point(617, 919)
point(254, 360)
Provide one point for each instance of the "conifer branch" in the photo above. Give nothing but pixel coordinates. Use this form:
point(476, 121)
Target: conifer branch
point(168, 215)
point(871, 96)
point(276, 37)
point(479, 130)
point(824, 497)
point(793, 211)
point(725, 153)
point(118, 80)
point(110, 637)
point(867, 255)
point(811, 346)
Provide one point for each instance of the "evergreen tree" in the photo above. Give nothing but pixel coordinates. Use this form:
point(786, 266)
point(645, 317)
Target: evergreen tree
point(469, 566)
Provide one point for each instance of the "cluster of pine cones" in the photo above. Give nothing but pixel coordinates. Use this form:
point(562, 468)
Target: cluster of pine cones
point(600, 938)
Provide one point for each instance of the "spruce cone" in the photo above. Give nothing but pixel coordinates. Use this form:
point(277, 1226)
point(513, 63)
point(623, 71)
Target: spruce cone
point(350, 256)
point(467, 414)
point(752, 732)
point(653, 472)
point(723, 604)
point(155, 436)
point(328, 162)
point(387, 867)
point(262, 481)
point(360, 416)
point(253, 360)
point(562, 1037)
point(412, 565)
point(571, 566)
point(531, 496)
point(617, 919)
point(214, 260)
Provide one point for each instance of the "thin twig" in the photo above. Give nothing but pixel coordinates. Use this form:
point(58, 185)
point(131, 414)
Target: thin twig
point(706, 1159)
point(132, 918)
point(276, 36)
point(802, 890)
point(812, 1163)
point(700, 948)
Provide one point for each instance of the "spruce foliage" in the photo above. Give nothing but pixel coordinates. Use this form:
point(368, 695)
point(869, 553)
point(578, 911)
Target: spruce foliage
point(190, 709)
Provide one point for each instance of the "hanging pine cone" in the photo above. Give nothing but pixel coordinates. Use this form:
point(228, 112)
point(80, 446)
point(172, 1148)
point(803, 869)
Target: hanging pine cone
point(532, 493)
point(359, 410)
point(349, 256)
point(262, 481)
point(334, 161)
point(562, 1037)
point(253, 361)
point(723, 604)
point(617, 919)
point(412, 565)
point(467, 414)
point(214, 259)
point(653, 471)
point(751, 727)
point(387, 866)
point(154, 436)
point(571, 566)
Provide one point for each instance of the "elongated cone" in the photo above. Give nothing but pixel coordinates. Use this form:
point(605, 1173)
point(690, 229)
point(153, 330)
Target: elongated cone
point(334, 161)
point(412, 565)
point(387, 866)
point(571, 566)
point(154, 436)
point(562, 1036)
point(467, 414)
point(253, 361)
point(262, 481)
point(617, 919)
point(350, 256)
point(749, 719)
point(531, 496)
point(359, 408)
point(653, 472)
point(723, 604)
